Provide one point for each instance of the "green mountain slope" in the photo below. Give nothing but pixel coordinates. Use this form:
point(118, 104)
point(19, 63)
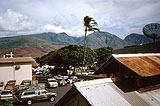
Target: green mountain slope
point(45, 42)
point(63, 39)
point(101, 39)
point(20, 41)
point(137, 39)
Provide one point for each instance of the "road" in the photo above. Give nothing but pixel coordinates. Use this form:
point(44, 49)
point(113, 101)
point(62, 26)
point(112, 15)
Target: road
point(60, 92)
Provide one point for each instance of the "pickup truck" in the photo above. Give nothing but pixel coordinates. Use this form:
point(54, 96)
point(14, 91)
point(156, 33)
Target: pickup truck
point(34, 94)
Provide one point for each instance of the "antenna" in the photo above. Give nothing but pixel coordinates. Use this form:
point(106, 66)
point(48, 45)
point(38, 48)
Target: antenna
point(152, 31)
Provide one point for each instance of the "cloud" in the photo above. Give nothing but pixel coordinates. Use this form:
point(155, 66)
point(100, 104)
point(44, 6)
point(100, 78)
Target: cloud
point(59, 29)
point(120, 17)
point(126, 14)
point(66, 21)
point(53, 28)
point(12, 21)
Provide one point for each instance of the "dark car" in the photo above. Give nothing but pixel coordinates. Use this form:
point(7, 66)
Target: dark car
point(61, 82)
point(68, 80)
point(31, 94)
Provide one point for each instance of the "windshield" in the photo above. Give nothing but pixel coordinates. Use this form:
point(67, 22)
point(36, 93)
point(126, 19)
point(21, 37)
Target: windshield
point(52, 81)
point(60, 80)
point(6, 93)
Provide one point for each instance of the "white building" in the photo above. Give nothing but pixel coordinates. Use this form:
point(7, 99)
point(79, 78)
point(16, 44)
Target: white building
point(18, 68)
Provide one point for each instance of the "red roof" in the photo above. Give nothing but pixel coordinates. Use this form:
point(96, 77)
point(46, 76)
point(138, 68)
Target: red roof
point(143, 64)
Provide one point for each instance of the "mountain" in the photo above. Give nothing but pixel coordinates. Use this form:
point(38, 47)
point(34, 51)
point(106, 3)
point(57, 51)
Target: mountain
point(39, 43)
point(101, 39)
point(63, 39)
point(36, 45)
point(137, 39)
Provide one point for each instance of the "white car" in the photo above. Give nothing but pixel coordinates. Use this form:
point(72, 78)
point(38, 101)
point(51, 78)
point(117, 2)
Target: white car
point(6, 94)
point(52, 82)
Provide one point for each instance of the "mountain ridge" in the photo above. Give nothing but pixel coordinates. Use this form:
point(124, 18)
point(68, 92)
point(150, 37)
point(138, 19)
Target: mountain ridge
point(45, 42)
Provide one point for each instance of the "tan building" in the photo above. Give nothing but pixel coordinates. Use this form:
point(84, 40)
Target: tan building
point(18, 68)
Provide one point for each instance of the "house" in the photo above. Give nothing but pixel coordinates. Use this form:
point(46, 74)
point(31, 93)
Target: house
point(140, 70)
point(107, 92)
point(15, 68)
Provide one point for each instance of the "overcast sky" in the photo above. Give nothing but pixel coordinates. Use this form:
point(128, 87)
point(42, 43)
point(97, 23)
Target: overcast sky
point(119, 17)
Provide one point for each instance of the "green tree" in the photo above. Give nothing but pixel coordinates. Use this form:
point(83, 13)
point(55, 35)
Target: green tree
point(71, 55)
point(90, 25)
point(103, 54)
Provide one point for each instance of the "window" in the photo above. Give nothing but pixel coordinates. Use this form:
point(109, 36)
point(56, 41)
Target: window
point(43, 92)
point(29, 93)
point(6, 92)
point(1, 84)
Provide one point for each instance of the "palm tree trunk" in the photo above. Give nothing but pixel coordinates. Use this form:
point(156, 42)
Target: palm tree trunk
point(85, 45)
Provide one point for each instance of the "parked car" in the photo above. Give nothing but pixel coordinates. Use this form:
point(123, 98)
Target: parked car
point(68, 80)
point(52, 82)
point(61, 82)
point(5, 94)
point(31, 94)
point(43, 79)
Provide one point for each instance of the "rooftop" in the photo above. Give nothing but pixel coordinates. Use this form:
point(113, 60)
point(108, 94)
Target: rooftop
point(104, 92)
point(16, 60)
point(136, 55)
point(144, 65)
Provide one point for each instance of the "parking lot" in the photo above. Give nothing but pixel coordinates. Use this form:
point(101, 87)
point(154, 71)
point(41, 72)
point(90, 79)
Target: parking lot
point(60, 92)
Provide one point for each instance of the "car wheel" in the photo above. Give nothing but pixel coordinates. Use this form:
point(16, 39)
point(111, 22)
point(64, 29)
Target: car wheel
point(52, 98)
point(29, 102)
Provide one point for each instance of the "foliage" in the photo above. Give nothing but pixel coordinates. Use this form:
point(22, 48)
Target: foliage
point(9, 102)
point(90, 25)
point(72, 55)
point(68, 55)
point(103, 54)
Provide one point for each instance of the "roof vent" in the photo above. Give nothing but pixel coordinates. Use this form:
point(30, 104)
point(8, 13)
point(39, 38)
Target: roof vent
point(8, 55)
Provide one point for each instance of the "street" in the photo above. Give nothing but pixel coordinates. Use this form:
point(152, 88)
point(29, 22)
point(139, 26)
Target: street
point(60, 92)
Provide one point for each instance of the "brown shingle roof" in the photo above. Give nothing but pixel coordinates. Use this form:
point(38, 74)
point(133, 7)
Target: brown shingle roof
point(143, 64)
point(16, 60)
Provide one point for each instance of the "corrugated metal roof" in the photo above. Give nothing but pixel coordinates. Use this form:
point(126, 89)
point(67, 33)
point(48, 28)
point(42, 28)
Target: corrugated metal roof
point(106, 93)
point(151, 97)
point(16, 60)
point(101, 94)
point(142, 64)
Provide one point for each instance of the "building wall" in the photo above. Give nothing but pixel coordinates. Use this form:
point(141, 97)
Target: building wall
point(8, 72)
point(24, 73)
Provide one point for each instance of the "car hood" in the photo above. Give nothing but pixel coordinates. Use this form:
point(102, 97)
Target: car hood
point(53, 83)
point(52, 93)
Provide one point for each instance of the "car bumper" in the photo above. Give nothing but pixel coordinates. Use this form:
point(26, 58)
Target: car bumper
point(5, 98)
point(54, 86)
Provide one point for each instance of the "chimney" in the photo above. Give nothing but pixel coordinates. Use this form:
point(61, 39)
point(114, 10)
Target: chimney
point(11, 55)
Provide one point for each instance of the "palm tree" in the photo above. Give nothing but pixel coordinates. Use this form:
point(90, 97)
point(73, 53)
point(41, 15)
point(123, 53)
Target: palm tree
point(90, 25)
